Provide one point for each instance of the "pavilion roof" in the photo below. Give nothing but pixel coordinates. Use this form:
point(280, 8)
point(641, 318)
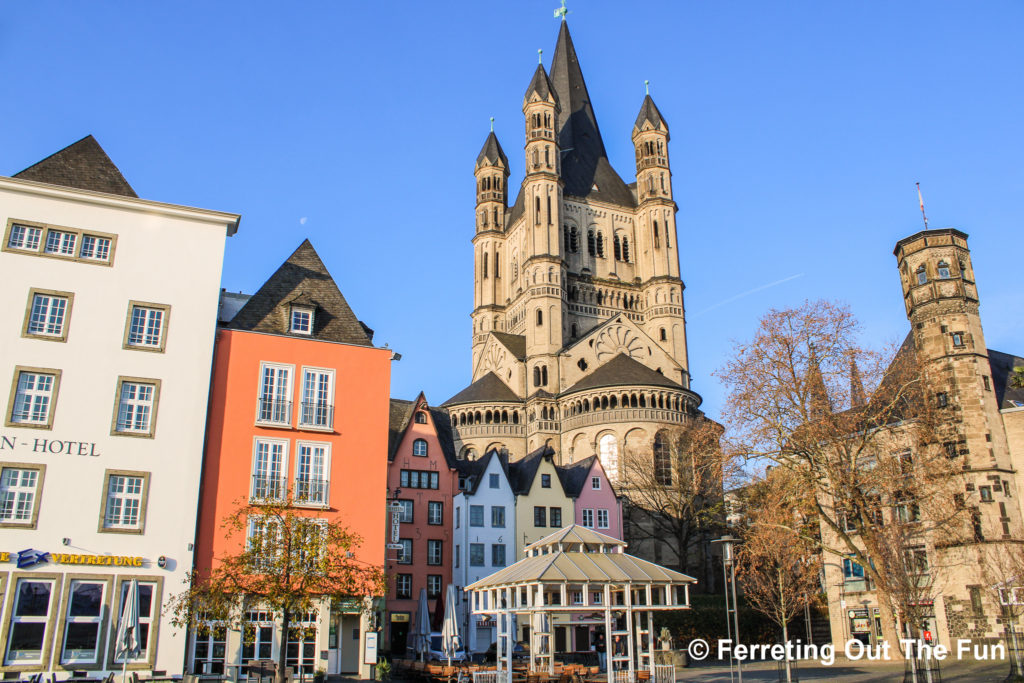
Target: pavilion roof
point(576, 537)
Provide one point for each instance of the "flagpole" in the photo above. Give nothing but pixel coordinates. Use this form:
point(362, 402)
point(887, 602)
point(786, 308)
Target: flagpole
point(920, 201)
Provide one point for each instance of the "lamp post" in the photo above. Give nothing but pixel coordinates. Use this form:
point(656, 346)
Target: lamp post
point(729, 573)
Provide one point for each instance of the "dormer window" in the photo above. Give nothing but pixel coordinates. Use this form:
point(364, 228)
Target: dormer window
point(301, 320)
point(943, 270)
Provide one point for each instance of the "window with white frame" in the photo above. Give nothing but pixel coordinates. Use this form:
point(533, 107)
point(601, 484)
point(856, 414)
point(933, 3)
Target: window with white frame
point(60, 243)
point(136, 406)
point(301, 651)
point(147, 602)
point(301, 320)
point(588, 518)
point(147, 326)
point(19, 491)
point(595, 483)
point(34, 397)
point(269, 464)
point(47, 314)
point(405, 554)
point(209, 649)
point(95, 248)
point(258, 636)
point(82, 623)
point(275, 406)
point(403, 586)
point(435, 554)
point(498, 516)
point(433, 585)
point(602, 519)
point(311, 470)
point(405, 514)
point(435, 512)
point(124, 508)
point(576, 597)
point(25, 237)
point(263, 542)
point(419, 447)
point(317, 398)
point(28, 622)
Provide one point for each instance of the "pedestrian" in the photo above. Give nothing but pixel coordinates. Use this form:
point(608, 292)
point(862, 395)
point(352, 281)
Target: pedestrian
point(600, 648)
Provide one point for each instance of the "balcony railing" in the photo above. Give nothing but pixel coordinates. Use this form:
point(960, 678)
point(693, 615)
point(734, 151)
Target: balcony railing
point(274, 411)
point(268, 488)
point(316, 415)
point(311, 491)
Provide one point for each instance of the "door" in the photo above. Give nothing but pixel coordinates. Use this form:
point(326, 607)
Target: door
point(582, 643)
point(399, 637)
point(349, 638)
point(560, 639)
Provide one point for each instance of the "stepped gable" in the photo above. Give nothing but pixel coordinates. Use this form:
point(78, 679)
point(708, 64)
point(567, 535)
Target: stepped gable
point(303, 280)
point(82, 165)
point(488, 388)
point(1002, 364)
point(620, 371)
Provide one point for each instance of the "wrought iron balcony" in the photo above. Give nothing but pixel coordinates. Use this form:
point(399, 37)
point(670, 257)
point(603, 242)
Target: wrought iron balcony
point(311, 491)
point(274, 411)
point(317, 415)
point(266, 488)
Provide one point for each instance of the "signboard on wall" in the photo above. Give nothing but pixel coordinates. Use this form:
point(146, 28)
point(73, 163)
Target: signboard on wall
point(370, 650)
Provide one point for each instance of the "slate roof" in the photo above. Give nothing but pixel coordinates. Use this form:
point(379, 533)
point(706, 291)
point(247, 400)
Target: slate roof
point(443, 425)
point(575, 476)
point(620, 371)
point(1007, 395)
point(303, 278)
point(475, 469)
point(584, 160)
point(491, 152)
point(399, 414)
point(541, 85)
point(516, 343)
point(488, 388)
point(649, 112)
point(82, 165)
point(523, 472)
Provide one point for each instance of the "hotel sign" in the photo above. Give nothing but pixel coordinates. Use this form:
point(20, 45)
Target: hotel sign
point(51, 446)
point(30, 558)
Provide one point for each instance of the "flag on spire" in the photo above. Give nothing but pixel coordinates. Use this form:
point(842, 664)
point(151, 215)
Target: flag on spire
point(920, 200)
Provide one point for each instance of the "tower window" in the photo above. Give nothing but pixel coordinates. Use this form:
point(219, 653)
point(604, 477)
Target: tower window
point(574, 240)
point(543, 375)
point(536, 375)
point(661, 335)
point(625, 249)
point(657, 239)
point(987, 382)
point(617, 248)
point(537, 205)
point(591, 243)
point(922, 276)
point(574, 331)
point(958, 338)
point(540, 317)
point(485, 265)
point(943, 270)
point(600, 245)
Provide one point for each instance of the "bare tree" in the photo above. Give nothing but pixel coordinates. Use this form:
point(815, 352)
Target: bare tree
point(1003, 574)
point(864, 432)
point(286, 561)
point(674, 492)
point(779, 561)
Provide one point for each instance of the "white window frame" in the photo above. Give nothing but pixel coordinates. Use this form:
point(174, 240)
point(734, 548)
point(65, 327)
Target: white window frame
point(433, 519)
point(146, 326)
point(145, 620)
point(439, 580)
point(26, 401)
point(30, 237)
point(48, 314)
point(300, 314)
point(115, 521)
point(17, 496)
point(80, 656)
point(100, 245)
point(603, 518)
point(259, 620)
point(320, 479)
point(403, 556)
point(280, 411)
point(61, 243)
point(320, 413)
point(588, 518)
point(595, 483)
point(415, 447)
point(399, 593)
point(130, 406)
point(264, 525)
point(435, 558)
point(14, 619)
point(273, 482)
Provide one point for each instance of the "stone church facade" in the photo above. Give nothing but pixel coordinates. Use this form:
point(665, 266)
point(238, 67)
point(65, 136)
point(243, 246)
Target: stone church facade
point(579, 332)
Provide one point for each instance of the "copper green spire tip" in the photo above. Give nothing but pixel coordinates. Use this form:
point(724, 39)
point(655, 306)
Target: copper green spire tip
point(492, 124)
point(540, 56)
point(647, 87)
point(561, 12)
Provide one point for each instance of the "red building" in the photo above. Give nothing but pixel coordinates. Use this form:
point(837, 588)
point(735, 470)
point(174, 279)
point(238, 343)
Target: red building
point(421, 482)
point(299, 404)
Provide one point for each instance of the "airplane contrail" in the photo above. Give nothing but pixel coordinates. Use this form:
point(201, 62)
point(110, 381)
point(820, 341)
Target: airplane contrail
point(748, 293)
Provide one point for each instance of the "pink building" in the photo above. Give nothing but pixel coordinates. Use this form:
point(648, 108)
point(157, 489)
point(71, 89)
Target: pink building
point(595, 504)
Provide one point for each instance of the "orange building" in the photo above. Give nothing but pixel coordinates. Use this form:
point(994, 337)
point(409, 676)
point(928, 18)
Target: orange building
point(299, 403)
point(421, 482)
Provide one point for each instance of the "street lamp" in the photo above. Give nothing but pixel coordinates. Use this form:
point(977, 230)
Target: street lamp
point(729, 573)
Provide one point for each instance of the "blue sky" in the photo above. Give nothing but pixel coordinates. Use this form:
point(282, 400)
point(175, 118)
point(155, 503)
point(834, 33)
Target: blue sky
point(798, 131)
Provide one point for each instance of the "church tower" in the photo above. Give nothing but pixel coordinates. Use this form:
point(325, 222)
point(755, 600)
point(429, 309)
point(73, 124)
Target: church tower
point(579, 333)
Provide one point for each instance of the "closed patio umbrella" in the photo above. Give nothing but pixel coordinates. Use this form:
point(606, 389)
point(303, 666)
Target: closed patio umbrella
point(126, 643)
point(423, 627)
point(450, 640)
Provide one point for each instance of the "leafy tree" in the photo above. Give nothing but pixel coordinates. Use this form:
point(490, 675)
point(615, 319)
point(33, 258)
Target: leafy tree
point(287, 561)
point(868, 440)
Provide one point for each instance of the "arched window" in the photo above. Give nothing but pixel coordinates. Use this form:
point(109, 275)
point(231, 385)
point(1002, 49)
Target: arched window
point(591, 243)
point(668, 235)
point(943, 270)
point(600, 245)
point(497, 272)
point(922, 276)
point(536, 375)
point(544, 375)
point(661, 335)
point(485, 266)
point(537, 199)
point(515, 269)
point(617, 248)
point(419, 447)
point(662, 461)
point(574, 240)
point(657, 239)
point(625, 249)
point(540, 317)
point(421, 417)
point(608, 452)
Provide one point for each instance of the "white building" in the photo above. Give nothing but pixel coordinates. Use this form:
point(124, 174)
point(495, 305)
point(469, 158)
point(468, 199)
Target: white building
point(106, 341)
point(484, 536)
